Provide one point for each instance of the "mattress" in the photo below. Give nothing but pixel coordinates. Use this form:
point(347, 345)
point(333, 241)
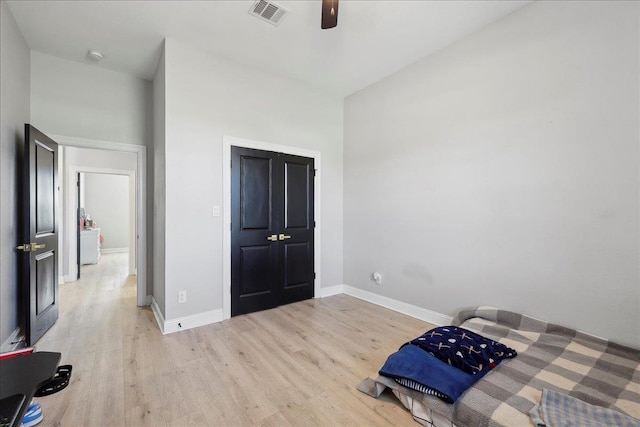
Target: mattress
point(594, 370)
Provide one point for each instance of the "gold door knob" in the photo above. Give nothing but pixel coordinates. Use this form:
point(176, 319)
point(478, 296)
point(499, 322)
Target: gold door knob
point(273, 237)
point(284, 237)
point(28, 247)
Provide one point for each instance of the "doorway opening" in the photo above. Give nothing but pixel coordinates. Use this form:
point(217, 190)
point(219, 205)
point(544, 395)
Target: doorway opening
point(82, 155)
point(106, 218)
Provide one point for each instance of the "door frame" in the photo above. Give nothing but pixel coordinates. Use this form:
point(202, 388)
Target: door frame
point(227, 142)
point(139, 180)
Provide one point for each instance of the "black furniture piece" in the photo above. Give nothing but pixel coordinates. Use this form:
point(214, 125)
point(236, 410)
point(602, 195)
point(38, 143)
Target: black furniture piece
point(20, 378)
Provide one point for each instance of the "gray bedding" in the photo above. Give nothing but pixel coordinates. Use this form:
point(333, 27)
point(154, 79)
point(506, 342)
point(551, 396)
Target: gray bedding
point(591, 369)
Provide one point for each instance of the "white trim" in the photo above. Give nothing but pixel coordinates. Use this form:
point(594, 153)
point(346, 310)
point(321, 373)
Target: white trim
point(72, 141)
point(186, 322)
point(330, 291)
point(424, 314)
point(114, 251)
point(192, 321)
point(214, 316)
point(15, 338)
point(61, 280)
point(140, 249)
point(157, 314)
point(227, 142)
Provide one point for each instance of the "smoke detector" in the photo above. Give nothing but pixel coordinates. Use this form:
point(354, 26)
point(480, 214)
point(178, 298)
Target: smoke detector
point(268, 11)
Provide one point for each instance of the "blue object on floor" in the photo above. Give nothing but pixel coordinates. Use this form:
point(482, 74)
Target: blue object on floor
point(33, 416)
point(413, 363)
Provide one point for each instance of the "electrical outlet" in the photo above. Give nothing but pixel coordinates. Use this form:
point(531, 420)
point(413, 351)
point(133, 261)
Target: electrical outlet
point(377, 277)
point(182, 296)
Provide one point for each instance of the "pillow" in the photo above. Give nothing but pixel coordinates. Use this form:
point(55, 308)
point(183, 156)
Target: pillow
point(463, 349)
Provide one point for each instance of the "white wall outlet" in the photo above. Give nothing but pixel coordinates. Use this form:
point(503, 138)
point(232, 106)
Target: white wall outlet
point(216, 210)
point(377, 277)
point(182, 296)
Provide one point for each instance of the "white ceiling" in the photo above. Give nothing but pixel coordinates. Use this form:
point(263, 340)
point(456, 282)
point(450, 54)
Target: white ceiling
point(373, 38)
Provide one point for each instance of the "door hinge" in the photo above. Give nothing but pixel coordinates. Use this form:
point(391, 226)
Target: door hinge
point(314, 224)
point(314, 172)
point(314, 274)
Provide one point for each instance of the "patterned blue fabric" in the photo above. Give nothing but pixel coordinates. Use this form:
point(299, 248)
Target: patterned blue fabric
point(413, 363)
point(558, 409)
point(464, 349)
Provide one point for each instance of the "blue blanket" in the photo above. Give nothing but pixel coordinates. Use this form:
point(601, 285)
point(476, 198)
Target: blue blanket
point(415, 364)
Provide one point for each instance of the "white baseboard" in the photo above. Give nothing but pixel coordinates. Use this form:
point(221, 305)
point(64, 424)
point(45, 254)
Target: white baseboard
point(330, 291)
point(14, 342)
point(193, 321)
point(61, 280)
point(113, 250)
point(424, 314)
point(157, 314)
point(214, 316)
point(186, 322)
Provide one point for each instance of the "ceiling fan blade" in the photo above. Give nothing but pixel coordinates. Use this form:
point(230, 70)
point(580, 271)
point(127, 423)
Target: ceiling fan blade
point(329, 14)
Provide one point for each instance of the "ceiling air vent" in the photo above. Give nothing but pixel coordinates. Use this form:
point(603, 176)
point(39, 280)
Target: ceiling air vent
point(268, 11)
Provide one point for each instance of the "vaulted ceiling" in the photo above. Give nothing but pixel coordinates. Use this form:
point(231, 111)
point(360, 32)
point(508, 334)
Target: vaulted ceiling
point(372, 40)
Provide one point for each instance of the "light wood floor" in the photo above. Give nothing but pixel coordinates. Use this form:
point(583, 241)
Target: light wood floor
point(297, 365)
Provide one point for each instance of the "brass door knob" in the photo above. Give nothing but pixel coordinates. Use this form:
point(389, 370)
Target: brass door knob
point(28, 247)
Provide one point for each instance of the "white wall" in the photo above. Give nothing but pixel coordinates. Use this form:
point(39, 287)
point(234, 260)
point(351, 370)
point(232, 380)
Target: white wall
point(107, 201)
point(207, 98)
point(85, 101)
point(504, 170)
point(14, 105)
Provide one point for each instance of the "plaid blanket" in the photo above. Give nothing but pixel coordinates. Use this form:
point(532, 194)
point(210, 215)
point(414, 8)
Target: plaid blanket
point(558, 409)
point(594, 370)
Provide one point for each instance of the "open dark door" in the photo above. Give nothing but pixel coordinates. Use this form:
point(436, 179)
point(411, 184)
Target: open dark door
point(39, 245)
point(272, 229)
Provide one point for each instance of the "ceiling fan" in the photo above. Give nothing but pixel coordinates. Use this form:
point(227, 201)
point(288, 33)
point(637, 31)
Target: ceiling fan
point(329, 14)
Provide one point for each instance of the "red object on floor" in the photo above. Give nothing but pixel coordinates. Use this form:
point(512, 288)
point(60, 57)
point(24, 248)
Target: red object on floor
point(16, 353)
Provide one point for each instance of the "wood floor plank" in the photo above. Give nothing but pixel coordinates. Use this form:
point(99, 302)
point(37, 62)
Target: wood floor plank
point(295, 365)
point(146, 415)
